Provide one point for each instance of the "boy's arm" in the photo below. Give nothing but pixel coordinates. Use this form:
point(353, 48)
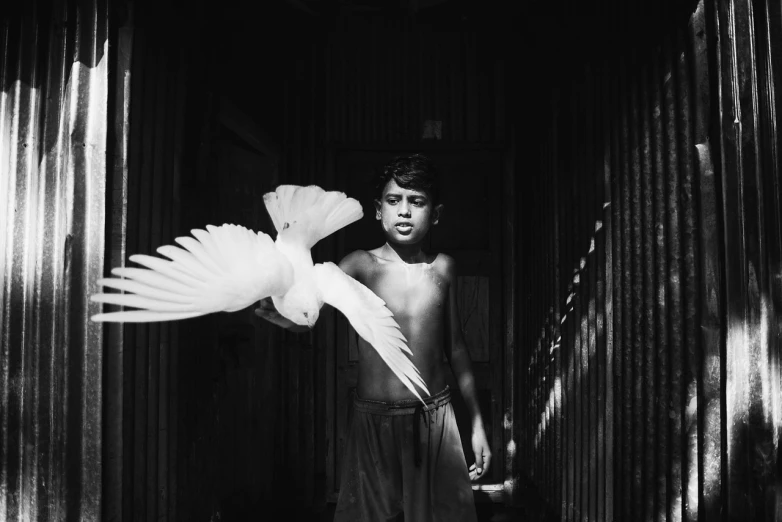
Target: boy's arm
point(459, 357)
point(266, 310)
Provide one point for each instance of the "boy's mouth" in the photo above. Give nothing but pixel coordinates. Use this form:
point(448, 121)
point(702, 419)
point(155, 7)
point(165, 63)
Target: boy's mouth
point(404, 227)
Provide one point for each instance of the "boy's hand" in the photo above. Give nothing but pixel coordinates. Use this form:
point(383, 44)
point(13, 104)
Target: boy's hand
point(269, 312)
point(480, 447)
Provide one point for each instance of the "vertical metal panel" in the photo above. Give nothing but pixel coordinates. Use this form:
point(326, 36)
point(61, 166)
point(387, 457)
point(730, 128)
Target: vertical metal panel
point(686, 148)
point(115, 371)
point(143, 364)
point(648, 309)
point(673, 280)
point(748, 172)
point(660, 292)
point(626, 383)
point(509, 224)
point(53, 142)
point(710, 409)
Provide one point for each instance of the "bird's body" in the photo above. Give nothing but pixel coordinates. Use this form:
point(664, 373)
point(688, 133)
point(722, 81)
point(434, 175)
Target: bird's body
point(229, 268)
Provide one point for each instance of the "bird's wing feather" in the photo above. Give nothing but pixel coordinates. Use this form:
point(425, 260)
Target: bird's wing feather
point(225, 268)
point(371, 319)
point(308, 214)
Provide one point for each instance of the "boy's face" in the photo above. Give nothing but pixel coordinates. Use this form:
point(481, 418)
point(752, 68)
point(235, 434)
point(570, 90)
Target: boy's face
point(405, 214)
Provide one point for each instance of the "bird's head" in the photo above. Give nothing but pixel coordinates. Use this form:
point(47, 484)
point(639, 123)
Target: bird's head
point(303, 308)
point(307, 318)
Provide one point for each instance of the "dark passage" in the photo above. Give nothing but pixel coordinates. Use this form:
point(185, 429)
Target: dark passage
point(611, 178)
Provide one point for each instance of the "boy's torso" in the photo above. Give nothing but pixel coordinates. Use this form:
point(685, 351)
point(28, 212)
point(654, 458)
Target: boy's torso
point(417, 295)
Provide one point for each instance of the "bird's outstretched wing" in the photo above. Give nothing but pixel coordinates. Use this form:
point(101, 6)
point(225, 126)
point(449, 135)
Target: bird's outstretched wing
point(308, 214)
point(225, 268)
point(371, 319)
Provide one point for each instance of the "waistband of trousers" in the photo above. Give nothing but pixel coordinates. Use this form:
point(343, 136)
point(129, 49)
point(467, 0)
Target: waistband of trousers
point(404, 407)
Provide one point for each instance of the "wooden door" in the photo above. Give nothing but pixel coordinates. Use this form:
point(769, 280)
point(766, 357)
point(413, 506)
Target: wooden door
point(470, 231)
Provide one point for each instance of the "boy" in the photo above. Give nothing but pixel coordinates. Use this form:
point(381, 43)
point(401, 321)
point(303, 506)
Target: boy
point(401, 459)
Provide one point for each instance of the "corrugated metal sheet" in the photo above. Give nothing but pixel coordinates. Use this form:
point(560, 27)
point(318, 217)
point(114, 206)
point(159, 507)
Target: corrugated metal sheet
point(54, 79)
point(651, 348)
point(148, 158)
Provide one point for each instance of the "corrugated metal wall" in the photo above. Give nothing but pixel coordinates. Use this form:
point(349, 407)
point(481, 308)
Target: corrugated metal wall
point(650, 340)
point(650, 387)
point(53, 141)
point(146, 369)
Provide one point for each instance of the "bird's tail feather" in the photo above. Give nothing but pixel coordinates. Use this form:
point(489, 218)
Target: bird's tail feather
point(310, 212)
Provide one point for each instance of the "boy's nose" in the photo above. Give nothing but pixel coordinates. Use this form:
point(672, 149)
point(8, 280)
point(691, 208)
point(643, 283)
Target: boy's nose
point(404, 210)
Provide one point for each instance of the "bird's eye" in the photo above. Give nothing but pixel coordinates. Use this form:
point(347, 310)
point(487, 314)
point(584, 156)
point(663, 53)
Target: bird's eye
point(305, 314)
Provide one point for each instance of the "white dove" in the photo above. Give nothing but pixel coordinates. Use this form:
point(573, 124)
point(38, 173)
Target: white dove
point(229, 268)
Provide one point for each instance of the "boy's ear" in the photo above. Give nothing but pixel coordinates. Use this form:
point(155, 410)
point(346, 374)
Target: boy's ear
point(378, 205)
point(437, 213)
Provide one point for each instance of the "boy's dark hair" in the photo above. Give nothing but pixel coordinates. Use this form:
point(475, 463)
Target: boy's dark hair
point(415, 172)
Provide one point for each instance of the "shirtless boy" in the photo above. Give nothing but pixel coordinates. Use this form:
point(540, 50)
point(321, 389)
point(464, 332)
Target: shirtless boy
point(402, 459)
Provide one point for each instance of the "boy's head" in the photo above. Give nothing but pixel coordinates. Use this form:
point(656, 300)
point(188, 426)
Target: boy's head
point(407, 198)
point(415, 172)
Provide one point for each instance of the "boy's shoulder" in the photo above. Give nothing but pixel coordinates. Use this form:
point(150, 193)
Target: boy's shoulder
point(356, 262)
point(445, 265)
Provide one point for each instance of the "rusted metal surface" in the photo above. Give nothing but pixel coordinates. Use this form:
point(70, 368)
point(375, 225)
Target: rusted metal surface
point(665, 217)
point(53, 142)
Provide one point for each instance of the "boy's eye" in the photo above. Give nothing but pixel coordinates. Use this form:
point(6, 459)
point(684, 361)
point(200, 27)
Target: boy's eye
point(418, 203)
point(392, 201)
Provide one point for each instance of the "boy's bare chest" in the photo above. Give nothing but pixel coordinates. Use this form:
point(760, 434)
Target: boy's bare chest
point(409, 290)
